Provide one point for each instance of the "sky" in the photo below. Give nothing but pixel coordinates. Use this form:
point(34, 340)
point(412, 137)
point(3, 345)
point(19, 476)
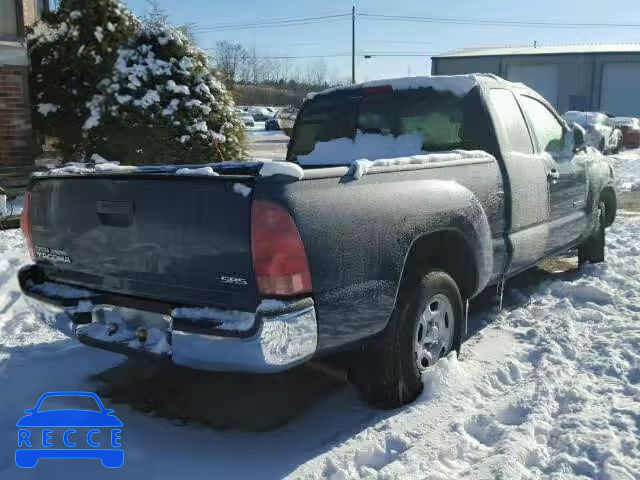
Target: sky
point(333, 36)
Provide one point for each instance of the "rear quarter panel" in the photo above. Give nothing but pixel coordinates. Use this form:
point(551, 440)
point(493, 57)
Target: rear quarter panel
point(357, 234)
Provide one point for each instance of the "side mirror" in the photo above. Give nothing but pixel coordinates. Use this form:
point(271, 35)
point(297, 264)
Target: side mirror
point(578, 138)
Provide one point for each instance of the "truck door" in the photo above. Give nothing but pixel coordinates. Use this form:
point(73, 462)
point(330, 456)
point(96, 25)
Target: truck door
point(566, 177)
point(525, 183)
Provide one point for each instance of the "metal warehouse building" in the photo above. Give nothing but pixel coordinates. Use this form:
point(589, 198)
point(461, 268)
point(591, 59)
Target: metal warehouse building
point(603, 78)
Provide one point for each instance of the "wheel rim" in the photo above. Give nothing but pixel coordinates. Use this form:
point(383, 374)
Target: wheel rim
point(434, 332)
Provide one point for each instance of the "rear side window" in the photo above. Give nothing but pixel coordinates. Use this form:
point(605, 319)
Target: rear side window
point(548, 130)
point(512, 122)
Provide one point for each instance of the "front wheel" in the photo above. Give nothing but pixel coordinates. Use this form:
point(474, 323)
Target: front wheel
point(592, 250)
point(425, 326)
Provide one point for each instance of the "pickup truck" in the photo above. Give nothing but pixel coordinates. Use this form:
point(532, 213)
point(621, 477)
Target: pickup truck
point(399, 202)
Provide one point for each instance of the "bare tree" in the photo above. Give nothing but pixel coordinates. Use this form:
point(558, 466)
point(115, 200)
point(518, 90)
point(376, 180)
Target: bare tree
point(155, 16)
point(230, 59)
point(316, 74)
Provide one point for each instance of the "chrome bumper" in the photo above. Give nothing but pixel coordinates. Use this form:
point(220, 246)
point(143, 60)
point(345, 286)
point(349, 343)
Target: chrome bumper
point(283, 334)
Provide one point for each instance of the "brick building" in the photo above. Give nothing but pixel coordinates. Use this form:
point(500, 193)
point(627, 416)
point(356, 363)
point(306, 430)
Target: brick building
point(17, 146)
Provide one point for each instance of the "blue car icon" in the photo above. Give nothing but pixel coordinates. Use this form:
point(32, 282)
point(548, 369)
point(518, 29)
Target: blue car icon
point(69, 433)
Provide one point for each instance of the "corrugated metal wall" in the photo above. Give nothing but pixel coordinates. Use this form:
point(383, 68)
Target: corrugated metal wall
point(579, 75)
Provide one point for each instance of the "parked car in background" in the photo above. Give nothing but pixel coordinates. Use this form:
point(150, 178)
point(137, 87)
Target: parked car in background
point(601, 130)
point(399, 201)
point(630, 128)
point(272, 124)
point(260, 114)
point(248, 120)
point(286, 117)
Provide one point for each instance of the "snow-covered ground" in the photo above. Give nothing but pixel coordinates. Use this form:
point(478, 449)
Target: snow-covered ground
point(627, 169)
point(265, 144)
point(549, 387)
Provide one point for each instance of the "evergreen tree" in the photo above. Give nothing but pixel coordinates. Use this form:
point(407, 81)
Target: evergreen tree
point(71, 51)
point(162, 104)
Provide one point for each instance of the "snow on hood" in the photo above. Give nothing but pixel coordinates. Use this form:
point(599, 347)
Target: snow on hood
point(457, 84)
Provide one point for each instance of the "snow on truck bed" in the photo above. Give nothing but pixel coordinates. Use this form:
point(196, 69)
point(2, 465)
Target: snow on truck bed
point(547, 388)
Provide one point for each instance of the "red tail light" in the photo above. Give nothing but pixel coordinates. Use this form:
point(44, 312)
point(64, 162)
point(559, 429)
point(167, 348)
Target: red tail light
point(279, 259)
point(25, 224)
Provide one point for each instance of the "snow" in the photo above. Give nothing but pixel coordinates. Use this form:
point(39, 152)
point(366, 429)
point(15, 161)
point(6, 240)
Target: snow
point(94, 106)
point(202, 171)
point(362, 166)
point(149, 98)
point(228, 319)
point(242, 189)
point(99, 34)
point(459, 85)
point(75, 15)
point(371, 146)
point(46, 108)
point(374, 150)
point(288, 169)
point(60, 291)
point(175, 88)
point(200, 126)
point(626, 166)
point(171, 108)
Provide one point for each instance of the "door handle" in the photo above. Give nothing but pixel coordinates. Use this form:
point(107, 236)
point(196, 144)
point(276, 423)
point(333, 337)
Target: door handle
point(553, 175)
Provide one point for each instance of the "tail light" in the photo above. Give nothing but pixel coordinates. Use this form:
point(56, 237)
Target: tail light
point(279, 259)
point(25, 224)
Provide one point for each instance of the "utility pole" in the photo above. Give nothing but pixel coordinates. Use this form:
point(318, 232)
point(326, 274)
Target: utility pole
point(353, 44)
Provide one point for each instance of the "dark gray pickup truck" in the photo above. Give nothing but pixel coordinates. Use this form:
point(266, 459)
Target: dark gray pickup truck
point(400, 201)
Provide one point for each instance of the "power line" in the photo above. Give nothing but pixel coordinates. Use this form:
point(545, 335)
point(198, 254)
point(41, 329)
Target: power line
point(271, 24)
point(345, 54)
point(491, 22)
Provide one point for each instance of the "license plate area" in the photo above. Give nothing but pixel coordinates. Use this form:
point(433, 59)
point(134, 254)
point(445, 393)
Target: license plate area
point(134, 329)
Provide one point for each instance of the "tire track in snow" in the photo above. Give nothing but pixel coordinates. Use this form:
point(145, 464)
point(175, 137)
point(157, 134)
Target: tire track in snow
point(548, 390)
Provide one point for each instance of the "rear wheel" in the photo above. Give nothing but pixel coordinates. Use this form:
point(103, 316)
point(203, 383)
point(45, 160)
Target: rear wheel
point(592, 250)
point(424, 327)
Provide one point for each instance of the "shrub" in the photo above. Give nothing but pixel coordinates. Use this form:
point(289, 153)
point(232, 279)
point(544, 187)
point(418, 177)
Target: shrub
point(71, 51)
point(162, 104)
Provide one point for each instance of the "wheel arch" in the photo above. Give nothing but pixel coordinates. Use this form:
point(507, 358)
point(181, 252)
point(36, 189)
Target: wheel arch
point(447, 249)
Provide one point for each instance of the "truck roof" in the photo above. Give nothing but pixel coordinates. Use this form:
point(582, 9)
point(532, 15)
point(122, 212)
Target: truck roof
point(457, 84)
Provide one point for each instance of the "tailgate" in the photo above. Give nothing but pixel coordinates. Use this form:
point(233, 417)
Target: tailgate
point(178, 239)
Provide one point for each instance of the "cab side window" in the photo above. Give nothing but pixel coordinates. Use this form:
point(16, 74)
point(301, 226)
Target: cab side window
point(511, 120)
point(548, 130)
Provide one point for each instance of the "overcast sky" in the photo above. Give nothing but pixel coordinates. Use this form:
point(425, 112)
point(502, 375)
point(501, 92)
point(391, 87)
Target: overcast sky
point(332, 36)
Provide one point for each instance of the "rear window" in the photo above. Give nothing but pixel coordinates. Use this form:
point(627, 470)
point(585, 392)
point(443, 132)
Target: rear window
point(442, 120)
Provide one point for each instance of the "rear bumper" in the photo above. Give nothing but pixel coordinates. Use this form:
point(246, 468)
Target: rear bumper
point(281, 336)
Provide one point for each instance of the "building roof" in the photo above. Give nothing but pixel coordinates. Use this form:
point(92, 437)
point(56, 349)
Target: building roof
point(543, 50)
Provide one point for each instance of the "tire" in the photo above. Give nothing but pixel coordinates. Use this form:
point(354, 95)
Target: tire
point(593, 249)
point(601, 146)
point(386, 371)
